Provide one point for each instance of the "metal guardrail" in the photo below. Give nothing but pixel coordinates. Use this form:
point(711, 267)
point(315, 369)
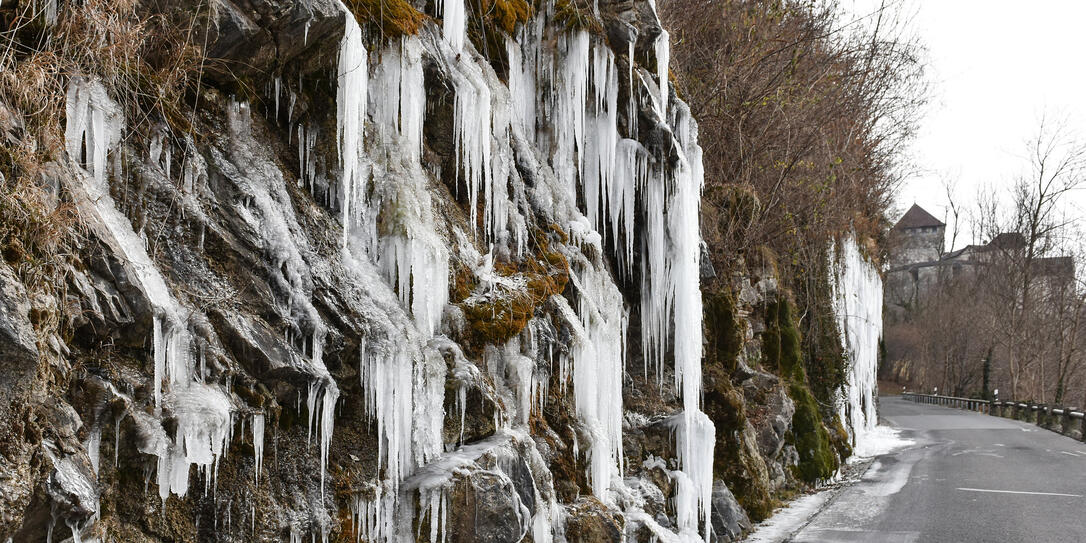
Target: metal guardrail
point(1069, 421)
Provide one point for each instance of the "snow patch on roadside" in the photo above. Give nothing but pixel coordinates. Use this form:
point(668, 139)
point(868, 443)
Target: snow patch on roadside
point(789, 520)
point(879, 441)
point(795, 516)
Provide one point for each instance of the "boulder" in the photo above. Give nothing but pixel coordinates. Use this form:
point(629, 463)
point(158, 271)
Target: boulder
point(592, 522)
point(728, 518)
point(485, 507)
point(256, 37)
point(18, 347)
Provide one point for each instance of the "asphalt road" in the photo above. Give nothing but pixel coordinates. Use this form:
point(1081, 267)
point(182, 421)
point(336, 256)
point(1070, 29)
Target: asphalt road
point(968, 477)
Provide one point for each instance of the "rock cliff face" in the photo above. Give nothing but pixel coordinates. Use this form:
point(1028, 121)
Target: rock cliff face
point(424, 274)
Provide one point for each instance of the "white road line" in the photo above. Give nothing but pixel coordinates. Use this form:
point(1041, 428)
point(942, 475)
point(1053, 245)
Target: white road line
point(1020, 492)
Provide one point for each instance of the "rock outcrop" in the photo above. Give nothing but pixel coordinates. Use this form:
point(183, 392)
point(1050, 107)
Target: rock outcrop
point(438, 283)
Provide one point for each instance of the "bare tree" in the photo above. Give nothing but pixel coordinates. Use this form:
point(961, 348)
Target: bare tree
point(1058, 165)
point(1019, 302)
point(954, 210)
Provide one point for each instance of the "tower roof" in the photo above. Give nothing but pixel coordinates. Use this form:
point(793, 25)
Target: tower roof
point(916, 217)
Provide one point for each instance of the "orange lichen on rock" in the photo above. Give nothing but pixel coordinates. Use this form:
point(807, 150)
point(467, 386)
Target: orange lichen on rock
point(495, 319)
point(394, 18)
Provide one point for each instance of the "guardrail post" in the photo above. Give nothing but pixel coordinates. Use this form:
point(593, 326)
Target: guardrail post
point(1056, 421)
point(1074, 428)
point(1051, 422)
point(1066, 420)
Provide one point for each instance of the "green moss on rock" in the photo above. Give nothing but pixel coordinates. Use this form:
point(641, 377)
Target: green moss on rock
point(781, 347)
point(737, 460)
point(817, 455)
point(826, 363)
point(723, 332)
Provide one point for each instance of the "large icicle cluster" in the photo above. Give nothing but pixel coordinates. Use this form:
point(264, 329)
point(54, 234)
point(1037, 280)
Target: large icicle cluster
point(203, 411)
point(578, 89)
point(630, 210)
point(857, 289)
point(200, 408)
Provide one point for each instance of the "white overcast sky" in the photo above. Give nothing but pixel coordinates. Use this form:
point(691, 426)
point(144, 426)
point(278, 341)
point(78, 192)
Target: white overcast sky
point(995, 68)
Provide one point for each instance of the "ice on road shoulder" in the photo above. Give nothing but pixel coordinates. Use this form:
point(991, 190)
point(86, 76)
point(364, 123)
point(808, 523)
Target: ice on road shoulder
point(790, 519)
point(878, 441)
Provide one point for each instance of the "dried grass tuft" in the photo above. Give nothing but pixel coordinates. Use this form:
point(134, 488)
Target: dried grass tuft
point(142, 53)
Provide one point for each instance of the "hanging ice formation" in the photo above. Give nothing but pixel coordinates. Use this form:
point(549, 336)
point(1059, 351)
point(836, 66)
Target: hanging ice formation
point(598, 358)
point(453, 22)
point(406, 268)
point(202, 411)
point(857, 297)
point(94, 128)
point(258, 444)
point(618, 200)
point(575, 91)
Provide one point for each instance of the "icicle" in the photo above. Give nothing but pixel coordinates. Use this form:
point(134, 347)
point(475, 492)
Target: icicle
point(697, 436)
point(327, 424)
point(522, 88)
point(399, 95)
point(352, 85)
point(857, 301)
point(290, 107)
point(258, 444)
point(117, 440)
point(613, 165)
point(278, 90)
point(387, 384)
point(453, 22)
point(94, 125)
point(602, 127)
point(472, 129)
point(570, 123)
point(656, 292)
point(598, 355)
point(420, 271)
point(203, 432)
point(374, 519)
point(93, 446)
point(311, 408)
point(631, 101)
point(663, 58)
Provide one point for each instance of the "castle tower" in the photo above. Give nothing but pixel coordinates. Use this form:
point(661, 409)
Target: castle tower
point(917, 237)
